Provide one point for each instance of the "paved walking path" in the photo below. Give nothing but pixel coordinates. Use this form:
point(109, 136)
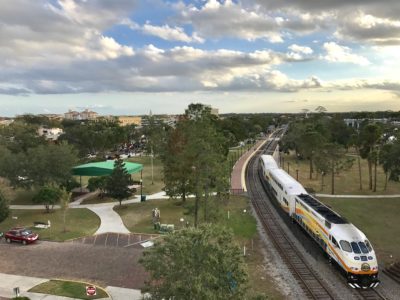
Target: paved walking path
point(9, 282)
point(110, 221)
point(238, 182)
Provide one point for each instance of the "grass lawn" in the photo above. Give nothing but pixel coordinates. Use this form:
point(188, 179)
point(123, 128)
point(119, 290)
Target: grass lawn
point(67, 289)
point(378, 219)
point(79, 222)
point(137, 218)
point(158, 176)
point(18, 195)
point(346, 182)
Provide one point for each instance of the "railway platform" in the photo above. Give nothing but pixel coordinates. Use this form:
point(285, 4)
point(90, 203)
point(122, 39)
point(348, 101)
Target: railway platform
point(238, 184)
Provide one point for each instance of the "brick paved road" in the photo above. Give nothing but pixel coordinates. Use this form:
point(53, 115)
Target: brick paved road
point(115, 266)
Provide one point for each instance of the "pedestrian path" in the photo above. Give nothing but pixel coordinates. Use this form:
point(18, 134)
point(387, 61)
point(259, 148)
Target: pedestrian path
point(24, 283)
point(238, 183)
point(110, 220)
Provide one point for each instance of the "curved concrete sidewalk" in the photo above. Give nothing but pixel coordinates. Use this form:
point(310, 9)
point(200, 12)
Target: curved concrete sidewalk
point(110, 221)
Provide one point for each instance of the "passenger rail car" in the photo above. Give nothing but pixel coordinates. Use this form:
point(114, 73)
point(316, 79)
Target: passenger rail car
point(339, 239)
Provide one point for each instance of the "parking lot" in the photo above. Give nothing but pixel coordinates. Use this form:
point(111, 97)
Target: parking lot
point(84, 259)
point(115, 240)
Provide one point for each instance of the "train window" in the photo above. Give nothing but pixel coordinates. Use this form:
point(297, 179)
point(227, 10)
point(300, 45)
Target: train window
point(368, 245)
point(335, 242)
point(345, 246)
point(355, 247)
point(327, 224)
point(363, 247)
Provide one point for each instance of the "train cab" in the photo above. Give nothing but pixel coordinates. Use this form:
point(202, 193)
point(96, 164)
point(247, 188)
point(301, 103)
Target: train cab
point(350, 248)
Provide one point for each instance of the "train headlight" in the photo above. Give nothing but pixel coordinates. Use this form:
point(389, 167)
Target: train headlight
point(365, 267)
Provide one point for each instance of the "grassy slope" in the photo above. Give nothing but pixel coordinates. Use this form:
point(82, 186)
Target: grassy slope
point(378, 219)
point(80, 222)
point(67, 289)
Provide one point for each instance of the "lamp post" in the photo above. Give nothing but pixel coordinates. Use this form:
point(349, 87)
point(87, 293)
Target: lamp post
point(141, 189)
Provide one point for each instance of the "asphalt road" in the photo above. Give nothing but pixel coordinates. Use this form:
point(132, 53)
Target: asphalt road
point(104, 265)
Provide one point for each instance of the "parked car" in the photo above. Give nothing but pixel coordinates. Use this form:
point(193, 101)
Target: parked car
point(19, 234)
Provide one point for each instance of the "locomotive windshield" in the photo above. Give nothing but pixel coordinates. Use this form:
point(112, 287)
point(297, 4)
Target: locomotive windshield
point(368, 245)
point(345, 246)
point(356, 248)
point(363, 247)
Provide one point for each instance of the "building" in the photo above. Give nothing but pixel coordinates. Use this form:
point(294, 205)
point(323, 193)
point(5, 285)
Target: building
point(84, 115)
point(50, 133)
point(88, 115)
point(129, 120)
point(72, 115)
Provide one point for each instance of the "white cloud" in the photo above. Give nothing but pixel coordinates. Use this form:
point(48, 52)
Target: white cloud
point(370, 29)
point(171, 33)
point(228, 19)
point(300, 49)
point(342, 54)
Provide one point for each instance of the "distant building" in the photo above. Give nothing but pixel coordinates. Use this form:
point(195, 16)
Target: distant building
point(6, 121)
point(84, 115)
point(56, 117)
point(355, 123)
point(88, 115)
point(50, 133)
point(129, 120)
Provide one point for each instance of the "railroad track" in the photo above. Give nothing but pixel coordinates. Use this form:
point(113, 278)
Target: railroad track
point(310, 282)
point(371, 294)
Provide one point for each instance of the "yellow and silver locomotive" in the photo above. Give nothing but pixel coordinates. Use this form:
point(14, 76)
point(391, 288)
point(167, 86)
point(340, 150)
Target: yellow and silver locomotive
point(341, 240)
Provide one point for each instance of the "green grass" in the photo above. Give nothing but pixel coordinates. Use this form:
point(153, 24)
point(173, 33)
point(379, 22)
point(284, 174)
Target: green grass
point(378, 219)
point(346, 182)
point(79, 222)
point(18, 195)
point(67, 289)
point(137, 216)
point(158, 176)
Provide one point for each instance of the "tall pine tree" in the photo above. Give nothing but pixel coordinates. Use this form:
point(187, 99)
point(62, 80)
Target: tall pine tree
point(118, 182)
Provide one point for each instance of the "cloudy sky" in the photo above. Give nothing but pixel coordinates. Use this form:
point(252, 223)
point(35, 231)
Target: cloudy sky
point(132, 56)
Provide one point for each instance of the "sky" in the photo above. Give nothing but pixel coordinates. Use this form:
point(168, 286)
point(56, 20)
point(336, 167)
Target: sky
point(133, 56)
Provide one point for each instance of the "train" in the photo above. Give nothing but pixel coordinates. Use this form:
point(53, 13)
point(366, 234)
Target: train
point(339, 239)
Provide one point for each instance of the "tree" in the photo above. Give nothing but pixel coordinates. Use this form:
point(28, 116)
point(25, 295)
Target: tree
point(50, 163)
point(98, 182)
point(118, 182)
point(65, 199)
point(47, 195)
point(195, 157)
point(370, 135)
point(390, 160)
point(332, 159)
point(4, 210)
point(196, 263)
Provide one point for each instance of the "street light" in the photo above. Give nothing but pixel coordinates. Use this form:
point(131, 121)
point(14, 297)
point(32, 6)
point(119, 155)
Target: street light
point(141, 189)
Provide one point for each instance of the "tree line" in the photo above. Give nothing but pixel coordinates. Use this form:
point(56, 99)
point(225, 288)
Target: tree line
point(324, 140)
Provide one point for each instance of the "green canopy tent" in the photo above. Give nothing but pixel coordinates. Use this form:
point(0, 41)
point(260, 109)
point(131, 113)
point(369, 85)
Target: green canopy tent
point(104, 168)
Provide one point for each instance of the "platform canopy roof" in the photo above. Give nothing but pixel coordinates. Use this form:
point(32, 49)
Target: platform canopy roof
point(104, 168)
